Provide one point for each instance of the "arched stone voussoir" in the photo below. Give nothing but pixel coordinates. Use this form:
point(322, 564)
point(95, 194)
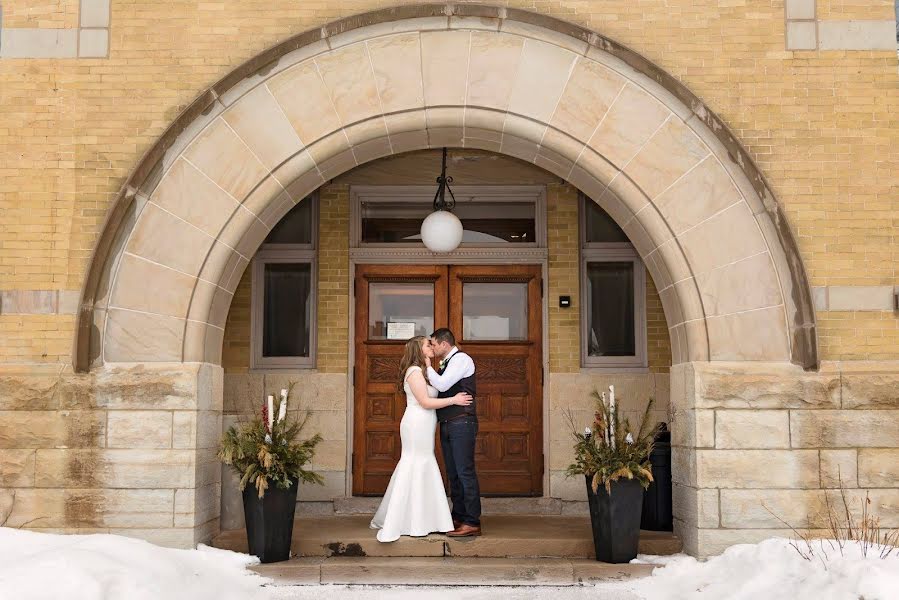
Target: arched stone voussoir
point(145, 286)
point(396, 65)
point(583, 107)
point(589, 93)
point(671, 152)
point(203, 343)
point(724, 238)
point(260, 122)
point(153, 238)
point(631, 121)
point(540, 81)
point(225, 158)
point(133, 336)
point(190, 195)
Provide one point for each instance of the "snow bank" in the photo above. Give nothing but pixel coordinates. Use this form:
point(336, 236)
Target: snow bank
point(109, 567)
point(773, 570)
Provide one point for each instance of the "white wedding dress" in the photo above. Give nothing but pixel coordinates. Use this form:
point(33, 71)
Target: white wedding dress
point(415, 502)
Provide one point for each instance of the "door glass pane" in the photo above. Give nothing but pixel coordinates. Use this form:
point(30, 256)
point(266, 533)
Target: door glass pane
point(610, 310)
point(409, 307)
point(483, 222)
point(494, 311)
point(286, 312)
point(295, 227)
point(600, 226)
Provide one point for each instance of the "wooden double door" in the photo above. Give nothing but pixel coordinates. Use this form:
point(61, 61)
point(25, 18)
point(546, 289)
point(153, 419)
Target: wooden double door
point(495, 313)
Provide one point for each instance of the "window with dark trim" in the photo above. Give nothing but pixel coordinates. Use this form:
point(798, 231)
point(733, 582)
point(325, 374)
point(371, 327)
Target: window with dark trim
point(613, 294)
point(284, 282)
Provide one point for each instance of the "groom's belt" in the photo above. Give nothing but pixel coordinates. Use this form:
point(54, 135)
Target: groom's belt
point(459, 416)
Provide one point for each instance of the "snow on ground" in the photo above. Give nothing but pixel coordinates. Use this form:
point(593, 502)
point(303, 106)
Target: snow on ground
point(40, 566)
point(774, 570)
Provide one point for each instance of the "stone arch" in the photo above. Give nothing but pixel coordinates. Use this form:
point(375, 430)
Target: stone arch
point(567, 99)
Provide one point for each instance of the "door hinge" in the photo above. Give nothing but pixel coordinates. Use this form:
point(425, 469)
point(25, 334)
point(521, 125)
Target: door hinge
point(542, 375)
point(541, 287)
point(354, 375)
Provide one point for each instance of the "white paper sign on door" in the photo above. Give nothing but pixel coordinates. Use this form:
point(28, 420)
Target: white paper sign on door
point(400, 331)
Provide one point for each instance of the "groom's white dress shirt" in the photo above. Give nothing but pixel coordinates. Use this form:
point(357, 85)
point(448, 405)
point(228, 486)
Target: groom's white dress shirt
point(460, 367)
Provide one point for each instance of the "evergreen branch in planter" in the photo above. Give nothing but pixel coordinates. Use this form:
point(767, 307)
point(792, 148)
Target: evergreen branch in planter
point(610, 451)
point(266, 449)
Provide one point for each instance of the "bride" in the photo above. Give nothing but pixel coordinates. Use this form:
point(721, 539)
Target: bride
point(415, 502)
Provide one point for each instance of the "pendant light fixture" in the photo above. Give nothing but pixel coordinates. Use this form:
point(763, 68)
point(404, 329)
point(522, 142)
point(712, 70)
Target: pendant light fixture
point(441, 231)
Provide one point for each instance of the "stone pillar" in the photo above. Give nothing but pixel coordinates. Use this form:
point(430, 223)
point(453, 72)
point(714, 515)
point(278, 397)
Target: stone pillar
point(759, 444)
point(126, 449)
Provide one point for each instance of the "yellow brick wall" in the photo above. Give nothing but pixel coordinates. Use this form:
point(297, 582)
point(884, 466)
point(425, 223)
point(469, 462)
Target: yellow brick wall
point(563, 277)
point(43, 14)
point(36, 338)
point(658, 340)
point(236, 345)
point(858, 335)
point(822, 126)
point(333, 279)
point(838, 10)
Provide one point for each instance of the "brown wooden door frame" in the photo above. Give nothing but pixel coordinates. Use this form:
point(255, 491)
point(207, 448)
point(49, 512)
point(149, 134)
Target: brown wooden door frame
point(368, 475)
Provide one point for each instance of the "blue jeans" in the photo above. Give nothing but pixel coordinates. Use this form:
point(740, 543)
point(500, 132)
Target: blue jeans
point(457, 438)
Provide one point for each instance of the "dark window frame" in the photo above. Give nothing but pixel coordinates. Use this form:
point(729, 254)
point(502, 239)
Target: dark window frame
point(284, 254)
point(597, 252)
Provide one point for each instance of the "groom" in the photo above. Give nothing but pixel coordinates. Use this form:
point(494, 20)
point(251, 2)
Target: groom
point(458, 430)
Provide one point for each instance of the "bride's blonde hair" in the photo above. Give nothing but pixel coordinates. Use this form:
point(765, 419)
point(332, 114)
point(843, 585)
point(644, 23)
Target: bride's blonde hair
point(412, 356)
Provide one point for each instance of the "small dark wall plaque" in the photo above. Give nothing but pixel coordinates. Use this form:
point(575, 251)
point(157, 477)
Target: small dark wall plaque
point(564, 301)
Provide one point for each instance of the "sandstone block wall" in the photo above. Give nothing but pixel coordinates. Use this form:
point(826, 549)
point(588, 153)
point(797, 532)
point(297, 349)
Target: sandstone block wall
point(128, 450)
point(757, 444)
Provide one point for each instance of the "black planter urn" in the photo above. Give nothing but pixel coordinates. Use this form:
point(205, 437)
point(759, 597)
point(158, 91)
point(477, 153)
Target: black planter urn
point(616, 519)
point(270, 521)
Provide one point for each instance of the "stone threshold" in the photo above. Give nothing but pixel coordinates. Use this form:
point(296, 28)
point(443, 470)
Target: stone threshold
point(505, 536)
point(489, 506)
point(447, 571)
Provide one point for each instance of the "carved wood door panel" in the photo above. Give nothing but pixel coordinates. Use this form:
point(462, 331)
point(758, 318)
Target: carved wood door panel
point(496, 314)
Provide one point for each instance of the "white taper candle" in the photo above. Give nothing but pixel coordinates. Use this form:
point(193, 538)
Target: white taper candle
point(271, 408)
point(605, 432)
point(282, 409)
point(612, 416)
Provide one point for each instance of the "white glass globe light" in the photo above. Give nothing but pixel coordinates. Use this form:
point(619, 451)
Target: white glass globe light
point(441, 231)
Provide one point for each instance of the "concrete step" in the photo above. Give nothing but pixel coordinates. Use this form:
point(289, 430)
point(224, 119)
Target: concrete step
point(447, 571)
point(489, 506)
point(504, 536)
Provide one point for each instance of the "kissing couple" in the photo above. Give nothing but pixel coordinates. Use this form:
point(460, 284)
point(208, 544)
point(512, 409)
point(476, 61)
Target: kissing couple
point(415, 502)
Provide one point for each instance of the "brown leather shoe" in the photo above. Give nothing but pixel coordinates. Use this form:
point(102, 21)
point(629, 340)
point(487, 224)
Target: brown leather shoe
point(464, 530)
point(456, 524)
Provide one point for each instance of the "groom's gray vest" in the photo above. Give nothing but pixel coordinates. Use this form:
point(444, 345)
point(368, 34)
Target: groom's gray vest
point(466, 384)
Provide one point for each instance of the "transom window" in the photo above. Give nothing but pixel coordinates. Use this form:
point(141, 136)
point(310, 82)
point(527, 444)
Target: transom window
point(613, 294)
point(492, 216)
point(284, 274)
